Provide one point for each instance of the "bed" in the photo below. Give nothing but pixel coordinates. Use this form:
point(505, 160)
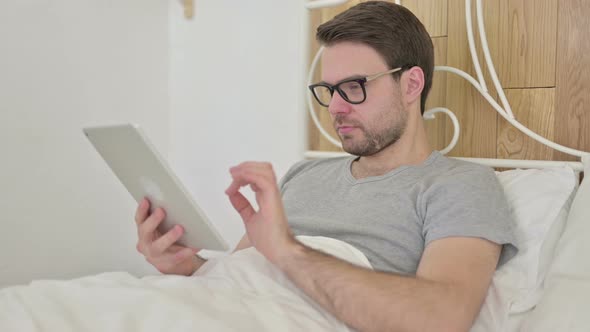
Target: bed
point(544, 288)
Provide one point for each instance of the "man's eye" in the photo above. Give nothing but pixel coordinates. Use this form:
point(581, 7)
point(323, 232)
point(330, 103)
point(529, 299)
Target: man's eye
point(352, 86)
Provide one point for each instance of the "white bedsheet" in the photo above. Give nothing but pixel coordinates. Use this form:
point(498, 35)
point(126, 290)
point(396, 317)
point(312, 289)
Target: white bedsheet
point(238, 292)
point(564, 307)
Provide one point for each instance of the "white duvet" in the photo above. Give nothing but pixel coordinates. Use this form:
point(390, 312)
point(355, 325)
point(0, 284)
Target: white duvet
point(238, 292)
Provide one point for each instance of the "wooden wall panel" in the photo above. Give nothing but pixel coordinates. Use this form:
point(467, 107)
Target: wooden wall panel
point(573, 76)
point(313, 135)
point(528, 31)
point(432, 13)
point(330, 12)
point(473, 111)
point(437, 97)
point(541, 53)
point(535, 109)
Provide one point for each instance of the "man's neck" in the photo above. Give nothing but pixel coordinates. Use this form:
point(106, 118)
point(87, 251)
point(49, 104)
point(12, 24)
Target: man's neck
point(411, 149)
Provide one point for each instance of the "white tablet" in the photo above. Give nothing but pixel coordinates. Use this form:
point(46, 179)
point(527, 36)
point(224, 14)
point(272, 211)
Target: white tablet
point(144, 173)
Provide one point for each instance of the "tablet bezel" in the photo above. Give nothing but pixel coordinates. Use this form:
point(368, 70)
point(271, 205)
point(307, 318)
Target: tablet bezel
point(144, 173)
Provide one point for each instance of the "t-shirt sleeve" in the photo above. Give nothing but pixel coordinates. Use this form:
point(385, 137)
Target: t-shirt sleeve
point(292, 172)
point(469, 203)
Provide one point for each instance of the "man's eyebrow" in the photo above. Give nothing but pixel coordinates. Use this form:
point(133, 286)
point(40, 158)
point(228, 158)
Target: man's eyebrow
point(353, 77)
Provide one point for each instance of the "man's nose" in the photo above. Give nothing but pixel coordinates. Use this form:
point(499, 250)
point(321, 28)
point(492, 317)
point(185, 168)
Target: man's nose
point(338, 104)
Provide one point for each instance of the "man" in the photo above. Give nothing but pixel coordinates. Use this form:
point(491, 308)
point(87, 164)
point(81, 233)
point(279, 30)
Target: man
point(433, 228)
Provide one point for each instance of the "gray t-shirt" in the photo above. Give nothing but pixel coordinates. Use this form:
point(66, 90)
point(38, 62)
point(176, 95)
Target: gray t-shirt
point(391, 218)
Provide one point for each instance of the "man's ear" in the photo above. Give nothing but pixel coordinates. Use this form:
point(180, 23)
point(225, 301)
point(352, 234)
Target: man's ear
point(413, 80)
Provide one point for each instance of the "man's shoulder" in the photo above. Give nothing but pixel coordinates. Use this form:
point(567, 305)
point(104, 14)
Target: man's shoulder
point(315, 167)
point(446, 167)
point(451, 170)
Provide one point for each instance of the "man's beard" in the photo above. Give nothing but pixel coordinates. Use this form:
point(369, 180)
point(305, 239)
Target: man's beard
point(374, 141)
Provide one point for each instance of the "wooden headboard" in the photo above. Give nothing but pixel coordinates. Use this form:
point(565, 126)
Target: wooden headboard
point(540, 51)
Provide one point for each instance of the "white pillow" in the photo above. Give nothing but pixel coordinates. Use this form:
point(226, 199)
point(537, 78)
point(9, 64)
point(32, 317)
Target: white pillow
point(539, 200)
point(564, 304)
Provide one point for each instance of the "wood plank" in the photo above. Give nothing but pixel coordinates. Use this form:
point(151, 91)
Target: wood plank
point(572, 121)
point(330, 12)
point(528, 31)
point(476, 117)
point(435, 129)
point(535, 109)
point(432, 13)
point(312, 132)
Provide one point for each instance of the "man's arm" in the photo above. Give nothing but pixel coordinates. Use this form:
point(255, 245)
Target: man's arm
point(445, 295)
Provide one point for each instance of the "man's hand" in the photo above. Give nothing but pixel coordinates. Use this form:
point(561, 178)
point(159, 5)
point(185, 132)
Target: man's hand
point(267, 228)
point(160, 250)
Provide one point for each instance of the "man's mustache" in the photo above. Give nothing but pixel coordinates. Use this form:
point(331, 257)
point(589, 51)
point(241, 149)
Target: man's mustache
point(340, 120)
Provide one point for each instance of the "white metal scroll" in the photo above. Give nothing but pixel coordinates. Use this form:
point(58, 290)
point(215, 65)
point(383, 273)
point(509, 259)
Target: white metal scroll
point(480, 85)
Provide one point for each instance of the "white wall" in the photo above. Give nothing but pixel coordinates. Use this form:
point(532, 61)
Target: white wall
point(65, 64)
point(210, 92)
point(235, 86)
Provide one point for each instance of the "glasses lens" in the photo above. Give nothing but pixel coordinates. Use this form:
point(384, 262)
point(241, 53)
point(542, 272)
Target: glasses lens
point(322, 94)
point(353, 91)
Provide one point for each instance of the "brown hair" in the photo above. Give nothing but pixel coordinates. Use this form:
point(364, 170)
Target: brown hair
point(392, 30)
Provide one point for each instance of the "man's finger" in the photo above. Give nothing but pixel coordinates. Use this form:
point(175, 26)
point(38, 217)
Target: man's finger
point(184, 254)
point(235, 186)
point(169, 238)
point(264, 170)
point(261, 180)
point(241, 204)
point(142, 211)
point(149, 226)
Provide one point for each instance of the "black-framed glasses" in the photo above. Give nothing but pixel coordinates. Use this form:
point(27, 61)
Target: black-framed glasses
point(352, 90)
